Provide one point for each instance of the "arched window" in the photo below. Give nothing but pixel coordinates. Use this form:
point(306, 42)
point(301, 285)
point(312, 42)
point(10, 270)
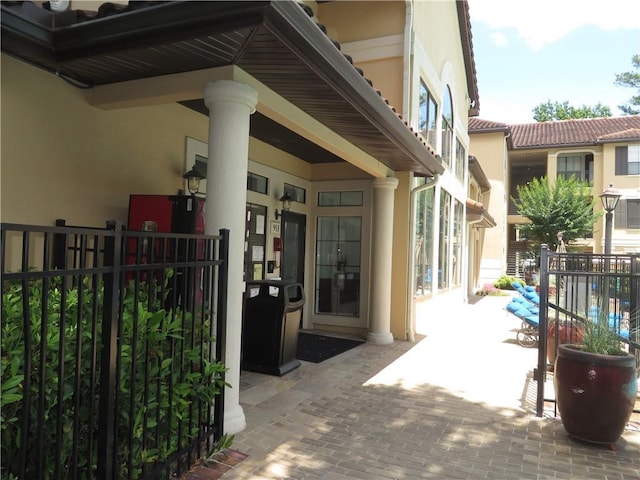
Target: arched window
point(447, 127)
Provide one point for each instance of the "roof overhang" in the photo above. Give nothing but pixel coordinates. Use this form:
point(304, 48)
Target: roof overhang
point(275, 42)
point(478, 216)
point(475, 170)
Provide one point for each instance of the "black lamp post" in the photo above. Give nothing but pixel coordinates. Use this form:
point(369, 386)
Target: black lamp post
point(610, 198)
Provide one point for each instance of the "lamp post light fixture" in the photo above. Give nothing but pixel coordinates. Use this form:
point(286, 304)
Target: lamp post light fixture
point(286, 200)
point(610, 198)
point(193, 178)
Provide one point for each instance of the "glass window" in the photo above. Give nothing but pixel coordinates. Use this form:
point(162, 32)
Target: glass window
point(340, 199)
point(298, 194)
point(423, 247)
point(633, 160)
point(257, 183)
point(456, 257)
point(460, 160)
point(633, 214)
point(337, 283)
point(427, 111)
point(569, 165)
point(443, 252)
point(447, 127)
point(628, 160)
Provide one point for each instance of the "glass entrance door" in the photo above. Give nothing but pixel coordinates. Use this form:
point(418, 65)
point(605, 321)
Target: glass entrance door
point(294, 226)
point(337, 283)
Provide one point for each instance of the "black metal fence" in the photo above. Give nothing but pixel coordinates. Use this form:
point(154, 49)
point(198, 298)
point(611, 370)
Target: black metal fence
point(112, 351)
point(575, 288)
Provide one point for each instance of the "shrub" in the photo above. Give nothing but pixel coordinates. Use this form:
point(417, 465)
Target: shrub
point(505, 282)
point(490, 290)
point(164, 370)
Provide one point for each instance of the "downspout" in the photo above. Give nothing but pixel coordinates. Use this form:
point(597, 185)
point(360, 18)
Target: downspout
point(505, 203)
point(407, 62)
point(470, 286)
point(410, 333)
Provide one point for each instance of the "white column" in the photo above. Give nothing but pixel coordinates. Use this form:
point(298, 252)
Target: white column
point(230, 106)
point(382, 244)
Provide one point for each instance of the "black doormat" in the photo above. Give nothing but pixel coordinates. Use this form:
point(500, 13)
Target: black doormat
point(318, 348)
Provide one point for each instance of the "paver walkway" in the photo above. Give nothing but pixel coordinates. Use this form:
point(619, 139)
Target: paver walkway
point(457, 403)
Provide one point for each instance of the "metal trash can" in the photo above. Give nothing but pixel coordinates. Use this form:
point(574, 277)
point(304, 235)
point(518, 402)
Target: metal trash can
point(272, 312)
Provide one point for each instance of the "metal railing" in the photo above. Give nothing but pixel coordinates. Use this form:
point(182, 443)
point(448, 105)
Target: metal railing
point(577, 287)
point(112, 351)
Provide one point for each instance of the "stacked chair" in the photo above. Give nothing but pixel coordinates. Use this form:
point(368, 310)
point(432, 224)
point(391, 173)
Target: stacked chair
point(526, 308)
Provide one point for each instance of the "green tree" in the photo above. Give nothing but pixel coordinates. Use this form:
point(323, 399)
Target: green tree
point(566, 206)
point(548, 111)
point(631, 80)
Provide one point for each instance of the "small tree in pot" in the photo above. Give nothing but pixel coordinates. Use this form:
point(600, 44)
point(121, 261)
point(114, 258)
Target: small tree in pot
point(596, 384)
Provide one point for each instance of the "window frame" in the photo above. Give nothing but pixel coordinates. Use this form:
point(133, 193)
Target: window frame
point(627, 160)
point(446, 148)
point(427, 114)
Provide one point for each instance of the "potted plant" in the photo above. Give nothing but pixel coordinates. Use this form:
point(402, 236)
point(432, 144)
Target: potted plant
point(561, 332)
point(595, 383)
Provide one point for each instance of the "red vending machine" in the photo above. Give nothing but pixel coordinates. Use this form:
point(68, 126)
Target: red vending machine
point(171, 214)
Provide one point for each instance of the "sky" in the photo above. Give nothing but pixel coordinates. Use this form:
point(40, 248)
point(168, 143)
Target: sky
point(528, 52)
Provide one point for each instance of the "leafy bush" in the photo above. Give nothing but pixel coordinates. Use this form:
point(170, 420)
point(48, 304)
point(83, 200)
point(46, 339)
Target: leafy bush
point(165, 368)
point(505, 282)
point(489, 289)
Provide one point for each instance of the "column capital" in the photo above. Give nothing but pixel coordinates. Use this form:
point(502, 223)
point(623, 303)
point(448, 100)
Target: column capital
point(230, 91)
point(387, 182)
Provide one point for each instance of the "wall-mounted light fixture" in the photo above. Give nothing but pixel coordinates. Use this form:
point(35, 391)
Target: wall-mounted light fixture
point(193, 178)
point(286, 200)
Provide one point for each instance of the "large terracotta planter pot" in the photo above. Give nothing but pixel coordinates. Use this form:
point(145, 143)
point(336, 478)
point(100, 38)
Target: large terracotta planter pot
point(595, 393)
point(567, 333)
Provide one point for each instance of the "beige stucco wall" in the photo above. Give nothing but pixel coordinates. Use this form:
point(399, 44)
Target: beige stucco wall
point(623, 240)
point(438, 56)
point(400, 286)
point(349, 21)
point(62, 158)
point(490, 151)
point(371, 41)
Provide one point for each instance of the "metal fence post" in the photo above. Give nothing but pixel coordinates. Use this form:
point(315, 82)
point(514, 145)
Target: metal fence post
point(542, 328)
point(221, 327)
point(634, 303)
point(106, 469)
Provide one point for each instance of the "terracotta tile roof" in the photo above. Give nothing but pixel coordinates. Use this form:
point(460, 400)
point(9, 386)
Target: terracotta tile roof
point(477, 214)
point(466, 37)
point(478, 125)
point(588, 131)
point(630, 134)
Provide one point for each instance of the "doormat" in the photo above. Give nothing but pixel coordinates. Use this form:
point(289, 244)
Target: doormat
point(318, 348)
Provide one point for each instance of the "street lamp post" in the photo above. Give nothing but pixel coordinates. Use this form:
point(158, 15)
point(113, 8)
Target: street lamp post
point(610, 198)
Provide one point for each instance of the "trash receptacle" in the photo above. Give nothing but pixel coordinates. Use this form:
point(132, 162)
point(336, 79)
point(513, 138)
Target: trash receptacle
point(272, 312)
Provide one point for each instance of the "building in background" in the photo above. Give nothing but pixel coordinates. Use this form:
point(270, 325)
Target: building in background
point(603, 151)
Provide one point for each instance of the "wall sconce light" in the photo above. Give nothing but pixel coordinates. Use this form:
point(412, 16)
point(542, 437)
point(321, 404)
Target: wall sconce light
point(193, 178)
point(286, 200)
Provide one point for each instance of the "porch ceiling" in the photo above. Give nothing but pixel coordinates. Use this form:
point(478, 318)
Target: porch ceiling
point(276, 42)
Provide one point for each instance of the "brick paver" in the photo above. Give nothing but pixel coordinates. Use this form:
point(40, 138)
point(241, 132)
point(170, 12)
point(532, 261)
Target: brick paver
point(457, 403)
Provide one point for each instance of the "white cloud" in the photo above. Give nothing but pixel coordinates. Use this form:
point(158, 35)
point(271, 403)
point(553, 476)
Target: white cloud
point(542, 22)
point(499, 39)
